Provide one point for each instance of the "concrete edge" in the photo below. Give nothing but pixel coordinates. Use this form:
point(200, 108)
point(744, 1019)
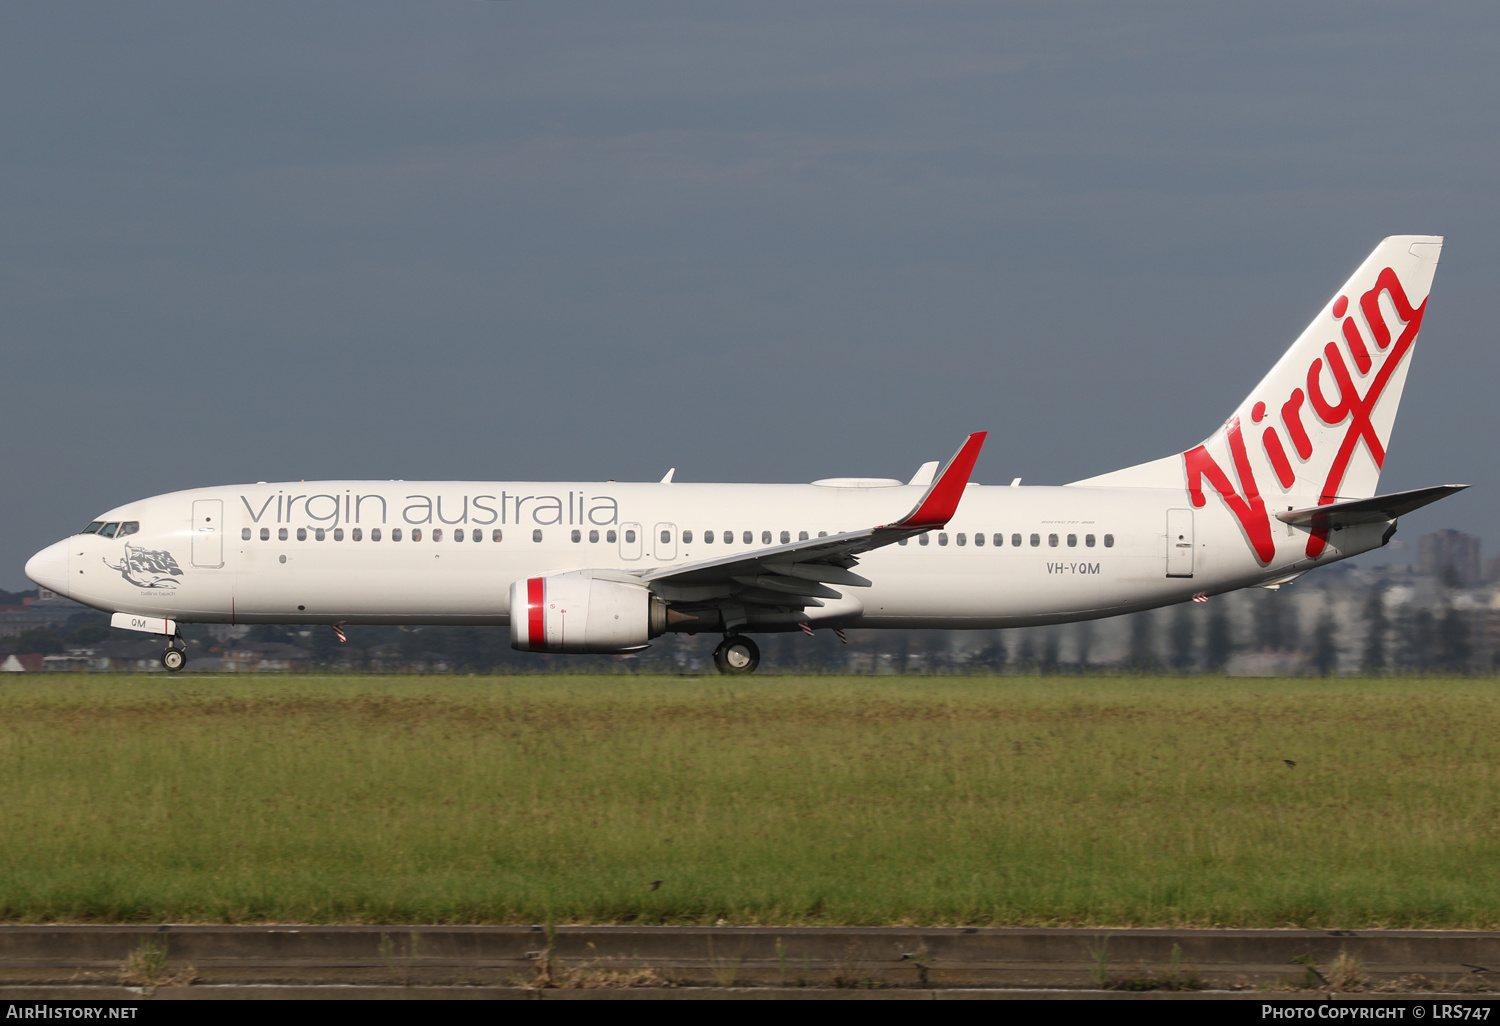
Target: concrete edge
point(361, 992)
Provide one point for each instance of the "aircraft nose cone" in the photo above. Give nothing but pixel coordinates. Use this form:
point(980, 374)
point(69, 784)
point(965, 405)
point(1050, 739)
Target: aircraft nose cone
point(49, 568)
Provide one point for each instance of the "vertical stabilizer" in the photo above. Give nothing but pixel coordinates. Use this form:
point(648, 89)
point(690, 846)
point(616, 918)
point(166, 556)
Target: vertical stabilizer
point(1315, 429)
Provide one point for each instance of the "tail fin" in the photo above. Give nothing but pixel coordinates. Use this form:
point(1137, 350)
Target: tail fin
point(1315, 430)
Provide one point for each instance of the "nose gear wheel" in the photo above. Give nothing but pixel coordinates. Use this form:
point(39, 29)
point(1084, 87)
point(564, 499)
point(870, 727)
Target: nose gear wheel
point(175, 657)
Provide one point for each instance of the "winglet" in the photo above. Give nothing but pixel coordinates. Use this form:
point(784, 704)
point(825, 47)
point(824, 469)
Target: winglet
point(941, 501)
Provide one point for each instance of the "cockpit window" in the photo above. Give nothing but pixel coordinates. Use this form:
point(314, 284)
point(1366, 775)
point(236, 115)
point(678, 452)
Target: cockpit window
point(93, 528)
point(129, 527)
point(108, 530)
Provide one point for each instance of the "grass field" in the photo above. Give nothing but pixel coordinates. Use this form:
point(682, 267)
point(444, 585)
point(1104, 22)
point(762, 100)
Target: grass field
point(773, 800)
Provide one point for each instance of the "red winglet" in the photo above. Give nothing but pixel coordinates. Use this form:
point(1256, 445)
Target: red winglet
point(941, 501)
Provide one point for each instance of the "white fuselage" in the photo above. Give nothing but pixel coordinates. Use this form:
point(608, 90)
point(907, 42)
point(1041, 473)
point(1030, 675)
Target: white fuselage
point(254, 553)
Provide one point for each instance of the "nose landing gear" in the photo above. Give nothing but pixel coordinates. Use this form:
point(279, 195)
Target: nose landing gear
point(737, 654)
point(174, 658)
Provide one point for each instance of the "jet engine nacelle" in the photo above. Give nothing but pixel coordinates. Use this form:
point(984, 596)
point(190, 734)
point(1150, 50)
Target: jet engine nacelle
point(572, 613)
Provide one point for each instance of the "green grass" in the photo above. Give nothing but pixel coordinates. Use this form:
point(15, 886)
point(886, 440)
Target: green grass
point(775, 800)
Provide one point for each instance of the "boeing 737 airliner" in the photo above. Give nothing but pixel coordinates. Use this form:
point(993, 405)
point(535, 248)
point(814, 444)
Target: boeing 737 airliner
point(1288, 483)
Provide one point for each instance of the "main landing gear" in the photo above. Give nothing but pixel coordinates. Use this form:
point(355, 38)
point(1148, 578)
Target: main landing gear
point(737, 654)
point(175, 657)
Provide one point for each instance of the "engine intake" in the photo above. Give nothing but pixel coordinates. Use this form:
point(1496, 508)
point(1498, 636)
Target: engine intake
point(572, 613)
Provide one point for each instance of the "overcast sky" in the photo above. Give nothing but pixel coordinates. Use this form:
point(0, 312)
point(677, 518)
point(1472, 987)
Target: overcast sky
point(588, 239)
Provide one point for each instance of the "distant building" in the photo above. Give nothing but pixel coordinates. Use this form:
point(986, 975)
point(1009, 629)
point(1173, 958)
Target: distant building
point(134, 656)
point(47, 611)
point(18, 663)
point(74, 660)
point(263, 656)
point(1449, 548)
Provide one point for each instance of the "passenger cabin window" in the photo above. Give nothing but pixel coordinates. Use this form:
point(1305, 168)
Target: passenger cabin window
point(666, 537)
point(901, 541)
point(93, 528)
point(1072, 541)
point(1109, 541)
point(281, 534)
point(302, 534)
point(748, 538)
point(1088, 540)
point(244, 534)
point(708, 537)
point(476, 535)
point(577, 535)
point(319, 534)
point(416, 534)
point(802, 536)
point(437, 534)
point(265, 534)
point(786, 537)
point(374, 534)
point(979, 539)
point(962, 538)
point(593, 536)
point(395, 534)
point(536, 535)
point(1015, 540)
point(496, 535)
point(765, 537)
point(610, 537)
point(822, 534)
point(687, 537)
point(924, 540)
point(1052, 540)
point(1036, 540)
point(458, 534)
point(338, 534)
point(629, 537)
point(942, 537)
point(356, 535)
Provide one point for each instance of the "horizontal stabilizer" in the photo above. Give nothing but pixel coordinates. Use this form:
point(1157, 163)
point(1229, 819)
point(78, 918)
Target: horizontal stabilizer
point(1367, 511)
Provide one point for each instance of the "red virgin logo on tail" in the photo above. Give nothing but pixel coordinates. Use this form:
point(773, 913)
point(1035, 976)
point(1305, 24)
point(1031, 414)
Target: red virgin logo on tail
point(1249, 510)
point(1347, 405)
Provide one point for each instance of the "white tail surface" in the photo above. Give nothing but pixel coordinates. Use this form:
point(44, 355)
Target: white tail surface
point(1315, 429)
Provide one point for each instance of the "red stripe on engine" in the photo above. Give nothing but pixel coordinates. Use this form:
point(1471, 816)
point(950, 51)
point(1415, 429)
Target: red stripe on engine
point(536, 627)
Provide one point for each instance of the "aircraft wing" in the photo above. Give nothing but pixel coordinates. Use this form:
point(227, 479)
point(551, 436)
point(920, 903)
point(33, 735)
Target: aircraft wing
point(1375, 510)
point(797, 575)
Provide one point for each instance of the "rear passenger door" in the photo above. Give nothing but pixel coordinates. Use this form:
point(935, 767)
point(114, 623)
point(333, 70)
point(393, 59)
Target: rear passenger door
point(1179, 543)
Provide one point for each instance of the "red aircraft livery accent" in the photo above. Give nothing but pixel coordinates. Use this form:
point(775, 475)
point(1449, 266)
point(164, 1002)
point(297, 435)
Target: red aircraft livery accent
point(1250, 511)
point(942, 499)
point(536, 628)
point(1347, 405)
